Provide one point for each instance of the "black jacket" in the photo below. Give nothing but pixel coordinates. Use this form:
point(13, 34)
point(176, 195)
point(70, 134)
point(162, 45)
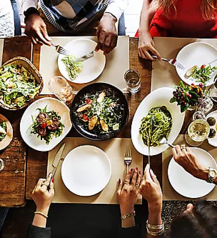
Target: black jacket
point(37, 232)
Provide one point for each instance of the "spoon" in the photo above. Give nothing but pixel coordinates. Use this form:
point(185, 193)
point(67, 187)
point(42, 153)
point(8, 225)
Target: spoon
point(164, 141)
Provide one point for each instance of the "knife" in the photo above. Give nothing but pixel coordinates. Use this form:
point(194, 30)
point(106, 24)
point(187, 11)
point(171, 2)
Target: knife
point(57, 159)
point(149, 162)
point(85, 57)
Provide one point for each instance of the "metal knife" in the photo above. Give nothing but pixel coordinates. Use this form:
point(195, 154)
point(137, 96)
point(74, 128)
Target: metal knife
point(85, 57)
point(149, 162)
point(57, 159)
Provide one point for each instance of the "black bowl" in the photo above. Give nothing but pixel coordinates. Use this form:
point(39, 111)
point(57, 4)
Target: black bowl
point(93, 88)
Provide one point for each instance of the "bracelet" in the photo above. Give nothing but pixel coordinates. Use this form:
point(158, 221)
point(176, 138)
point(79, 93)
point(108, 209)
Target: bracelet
point(154, 230)
point(41, 213)
point(155, 233)
point(154, 227)
point(128, 215)
point(30, 11)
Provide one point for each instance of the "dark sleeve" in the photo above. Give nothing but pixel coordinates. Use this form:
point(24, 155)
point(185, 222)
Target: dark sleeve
point(38, 232)
point(131, 232)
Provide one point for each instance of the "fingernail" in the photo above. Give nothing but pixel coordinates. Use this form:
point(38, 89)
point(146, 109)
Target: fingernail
point(136, 168)
point(139, 172)
point(131, 170)
point(53, 180)
point(119, 180)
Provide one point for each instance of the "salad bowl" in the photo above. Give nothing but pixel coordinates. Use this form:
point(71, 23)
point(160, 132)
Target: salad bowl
point(30, 68)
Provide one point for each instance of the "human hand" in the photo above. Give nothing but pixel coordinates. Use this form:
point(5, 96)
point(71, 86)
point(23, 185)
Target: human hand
point(107, 33)
point(146, 46)
point(43, 194)
point(127, 194)
point(186, 158)
point(151, 191)
point(36, 29)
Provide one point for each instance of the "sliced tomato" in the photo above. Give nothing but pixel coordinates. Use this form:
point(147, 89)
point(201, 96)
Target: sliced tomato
point(88, 101)
point(203, 66)
point(85, 117)
point(43, 125)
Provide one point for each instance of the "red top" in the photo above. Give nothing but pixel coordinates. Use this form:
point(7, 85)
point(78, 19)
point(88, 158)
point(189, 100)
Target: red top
point(186, 22)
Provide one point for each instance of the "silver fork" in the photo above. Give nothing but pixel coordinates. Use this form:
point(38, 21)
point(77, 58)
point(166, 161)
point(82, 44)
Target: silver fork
point(61, 50)
point(128, 158)
point(171, 61)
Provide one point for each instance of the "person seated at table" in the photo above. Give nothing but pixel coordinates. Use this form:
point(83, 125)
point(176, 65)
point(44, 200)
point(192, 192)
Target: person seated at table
point(197, 221)
point(74, 17)
point(175, 18)
point(42, 195)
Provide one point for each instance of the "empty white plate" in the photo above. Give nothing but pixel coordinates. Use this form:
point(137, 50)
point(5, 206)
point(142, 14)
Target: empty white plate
point(26, 121)
point(86, 170)
point(158, 98)
point(197, 53)
point(186, 184)
point(92, 67)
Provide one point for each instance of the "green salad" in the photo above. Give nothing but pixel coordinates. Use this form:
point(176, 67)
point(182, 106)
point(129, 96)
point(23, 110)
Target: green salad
point(47, 125)
point(155, 126)
point(17, 85)
point(73, 68)
point(3, 130)
point(100, 112)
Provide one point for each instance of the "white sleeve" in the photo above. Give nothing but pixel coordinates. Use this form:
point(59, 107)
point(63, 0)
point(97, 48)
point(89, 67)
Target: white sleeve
point(117, 7)
point(25, 4)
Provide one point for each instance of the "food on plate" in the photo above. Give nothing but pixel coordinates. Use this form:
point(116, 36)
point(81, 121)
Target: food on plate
point(155, 126)
point(47, 125)
point(3, 129)
point(187, 96)
point(100, 111)
point(200, 73)
point(211, 121)
point(17, 85)
point(212, 133)
point(73, 68)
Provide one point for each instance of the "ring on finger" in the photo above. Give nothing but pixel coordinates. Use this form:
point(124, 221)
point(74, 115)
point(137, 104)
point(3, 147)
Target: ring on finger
point(183, 147)
point(126, 187)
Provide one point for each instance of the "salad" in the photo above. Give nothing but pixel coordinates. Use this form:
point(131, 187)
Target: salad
point(100, 112)
point(47, 125)
point(73, 68)
point(17, 85)
point(156, 126)
point(3, 130)
point(201, 74)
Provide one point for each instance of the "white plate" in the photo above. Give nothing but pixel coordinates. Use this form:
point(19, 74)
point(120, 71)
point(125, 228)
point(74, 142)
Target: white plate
point(213, 141)
point(197, 53)
point(26, 121)
point(86, 170)
point(186, 184)
point(157, 98)
point(92, 67)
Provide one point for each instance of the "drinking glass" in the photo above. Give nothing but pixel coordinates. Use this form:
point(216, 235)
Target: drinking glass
point(198, 131)
point(205, 104)
point(213, 90)
point(132, 79)
point(61, 89)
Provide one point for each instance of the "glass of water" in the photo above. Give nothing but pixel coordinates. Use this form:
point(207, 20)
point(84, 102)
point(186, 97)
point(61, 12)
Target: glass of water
point(132, 79)
point(61, 89)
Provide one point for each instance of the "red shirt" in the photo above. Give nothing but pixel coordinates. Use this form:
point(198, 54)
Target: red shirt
point(187, 21)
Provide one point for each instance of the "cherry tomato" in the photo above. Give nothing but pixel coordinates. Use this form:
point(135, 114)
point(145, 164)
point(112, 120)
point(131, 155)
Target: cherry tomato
point(88, 101)
point(43, 125)
point(85, 117)
point(203, 66)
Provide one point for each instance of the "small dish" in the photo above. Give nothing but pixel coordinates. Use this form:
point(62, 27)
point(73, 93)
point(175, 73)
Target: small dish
point(9, 133)
point(86, 170)
point(213, 141)
point(26, 121)
point(92, 67)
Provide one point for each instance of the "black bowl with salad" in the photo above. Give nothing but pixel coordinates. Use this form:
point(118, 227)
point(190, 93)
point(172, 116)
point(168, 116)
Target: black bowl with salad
point(99, 111)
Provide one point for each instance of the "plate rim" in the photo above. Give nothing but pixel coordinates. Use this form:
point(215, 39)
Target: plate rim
point(31, 105)
point(73, 81)
point(168, 176)
point(101, 151)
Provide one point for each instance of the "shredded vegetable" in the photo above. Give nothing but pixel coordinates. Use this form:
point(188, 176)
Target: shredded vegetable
point(73, 68)
point(155, 126)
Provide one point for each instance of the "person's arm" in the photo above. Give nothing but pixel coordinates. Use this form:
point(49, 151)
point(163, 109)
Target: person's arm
point(186, 158)
point(42, 195)
point(151, 191)
point(146, 44)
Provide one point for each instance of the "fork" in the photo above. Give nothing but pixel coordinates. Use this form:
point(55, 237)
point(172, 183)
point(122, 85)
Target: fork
point(171, 61)
point(61, 50)
point(128, 158)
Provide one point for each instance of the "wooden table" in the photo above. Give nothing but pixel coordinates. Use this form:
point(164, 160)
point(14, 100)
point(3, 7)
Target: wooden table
point(25, 166)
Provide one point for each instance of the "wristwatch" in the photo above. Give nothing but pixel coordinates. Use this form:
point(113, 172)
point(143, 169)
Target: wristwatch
point(212, 174)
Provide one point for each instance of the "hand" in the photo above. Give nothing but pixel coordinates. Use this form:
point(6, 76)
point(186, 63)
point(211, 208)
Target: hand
point(43, 194)
point(36, 29)
point(107, 33)
point(186, 158)
point(151, 191)
point(146, 46)
point(127, 194)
